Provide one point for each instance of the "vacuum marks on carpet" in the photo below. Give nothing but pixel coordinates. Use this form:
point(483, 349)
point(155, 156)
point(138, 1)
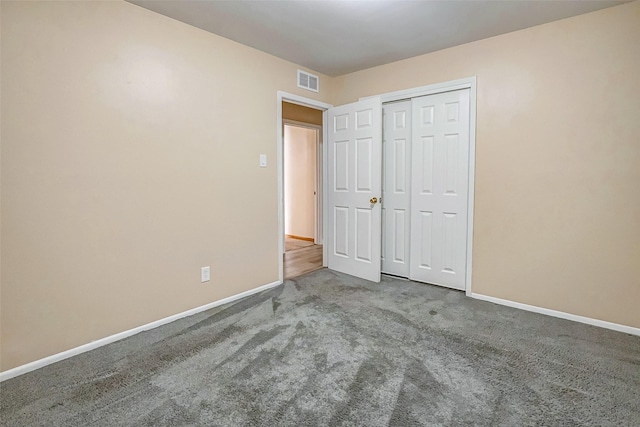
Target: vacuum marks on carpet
point(329, 349)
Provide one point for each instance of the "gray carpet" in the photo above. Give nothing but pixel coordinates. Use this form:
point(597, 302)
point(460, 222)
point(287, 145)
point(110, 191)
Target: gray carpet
point(328, 349)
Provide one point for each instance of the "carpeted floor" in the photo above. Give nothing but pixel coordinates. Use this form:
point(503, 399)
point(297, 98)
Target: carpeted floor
point(328, 349)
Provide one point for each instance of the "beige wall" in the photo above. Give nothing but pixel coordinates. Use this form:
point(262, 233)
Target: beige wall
point(557, 208)
point(301, 113)
point(128, 162)
point(130, 146)
point(299, 181)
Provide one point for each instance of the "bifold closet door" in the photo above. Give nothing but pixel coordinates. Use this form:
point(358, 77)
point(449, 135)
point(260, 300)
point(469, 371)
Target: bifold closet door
point(439, 188)
point(396, 186)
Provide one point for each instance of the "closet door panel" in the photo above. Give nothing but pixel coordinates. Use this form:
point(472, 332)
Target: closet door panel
point(439, 177)
point(396, 188)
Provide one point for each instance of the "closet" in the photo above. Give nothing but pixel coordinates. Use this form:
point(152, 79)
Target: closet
point(424, 194)
point(399, 186)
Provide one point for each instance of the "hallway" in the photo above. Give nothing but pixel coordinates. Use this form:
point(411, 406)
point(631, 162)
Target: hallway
point(301, 257)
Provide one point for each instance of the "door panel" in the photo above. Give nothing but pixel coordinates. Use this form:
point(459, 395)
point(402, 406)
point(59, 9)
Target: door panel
point(354, 175)
point(440, 165)
point(425, 227)
point(341, 231)
point(396, 185)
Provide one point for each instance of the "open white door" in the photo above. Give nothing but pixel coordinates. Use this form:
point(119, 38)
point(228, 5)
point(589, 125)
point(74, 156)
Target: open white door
point(354, 188)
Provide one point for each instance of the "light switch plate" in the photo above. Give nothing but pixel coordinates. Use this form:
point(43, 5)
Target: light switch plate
point(205, 274)
point(263, 160)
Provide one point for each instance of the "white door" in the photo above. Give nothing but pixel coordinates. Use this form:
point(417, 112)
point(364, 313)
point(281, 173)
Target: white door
point(354, 187)
point(396, 186)
point(440, 171)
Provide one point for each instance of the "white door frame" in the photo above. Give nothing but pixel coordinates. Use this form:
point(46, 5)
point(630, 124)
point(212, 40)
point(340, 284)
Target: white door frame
point(465, 83)
point(318, 105)
point(318, 205)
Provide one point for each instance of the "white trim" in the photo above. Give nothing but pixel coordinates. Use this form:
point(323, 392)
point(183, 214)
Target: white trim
point(562, 315)
point(280, 178)
point(325, 186)
point(32, 366)
point(319, 237)
point(472, 181)
point(306, 102)
point(301, 100)
point(465, 83)
point(301, 124)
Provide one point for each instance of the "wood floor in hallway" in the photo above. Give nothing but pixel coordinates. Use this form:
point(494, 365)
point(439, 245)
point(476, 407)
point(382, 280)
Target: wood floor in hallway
point(303, 260)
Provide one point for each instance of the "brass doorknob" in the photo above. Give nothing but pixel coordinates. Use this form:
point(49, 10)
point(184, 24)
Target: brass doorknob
point(373, 200)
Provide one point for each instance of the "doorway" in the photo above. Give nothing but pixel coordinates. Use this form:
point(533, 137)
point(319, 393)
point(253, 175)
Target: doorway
point(300, 183)
point(302, 189)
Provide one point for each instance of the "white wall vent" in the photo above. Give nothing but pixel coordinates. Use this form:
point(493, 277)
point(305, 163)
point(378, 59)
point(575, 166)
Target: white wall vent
point(308, 81)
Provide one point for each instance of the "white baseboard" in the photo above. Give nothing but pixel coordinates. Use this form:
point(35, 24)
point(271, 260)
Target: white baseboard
point(32, 366)
point(574, 317)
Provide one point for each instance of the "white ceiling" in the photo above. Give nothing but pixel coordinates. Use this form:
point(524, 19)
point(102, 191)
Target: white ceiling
point(339, 37)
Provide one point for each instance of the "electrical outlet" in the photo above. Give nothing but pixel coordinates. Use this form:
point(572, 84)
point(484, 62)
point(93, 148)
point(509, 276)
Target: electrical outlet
point(205, 274)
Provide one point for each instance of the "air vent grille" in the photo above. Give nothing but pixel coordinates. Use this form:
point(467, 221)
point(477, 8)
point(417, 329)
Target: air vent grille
point(308, 81)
